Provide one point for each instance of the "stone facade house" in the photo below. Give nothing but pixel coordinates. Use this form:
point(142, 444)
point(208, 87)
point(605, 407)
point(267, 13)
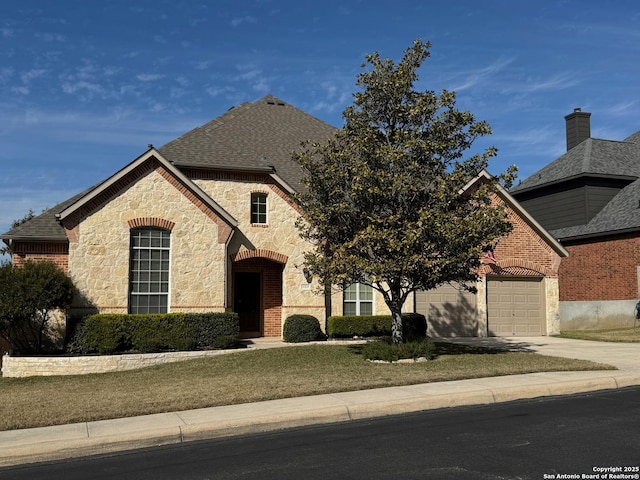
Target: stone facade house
point(589, 199)
point(207, 223)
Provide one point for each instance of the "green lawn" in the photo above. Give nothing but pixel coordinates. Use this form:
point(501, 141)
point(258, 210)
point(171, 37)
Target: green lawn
point(630, 335)
point(247, 376)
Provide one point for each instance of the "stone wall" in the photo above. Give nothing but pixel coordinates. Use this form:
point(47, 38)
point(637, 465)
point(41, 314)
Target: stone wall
point(49, 366)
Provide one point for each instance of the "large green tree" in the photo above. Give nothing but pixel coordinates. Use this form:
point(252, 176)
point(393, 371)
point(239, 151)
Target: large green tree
point(386, 203)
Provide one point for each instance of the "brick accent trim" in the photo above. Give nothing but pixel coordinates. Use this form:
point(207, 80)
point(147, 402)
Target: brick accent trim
point(286, 197)
point(260, 253)
point(151, 222)
point(516, 266)
point(152, 164)
point(224, 230)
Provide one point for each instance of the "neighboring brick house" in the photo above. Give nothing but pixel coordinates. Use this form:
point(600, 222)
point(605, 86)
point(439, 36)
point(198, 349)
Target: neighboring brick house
point(207, 223)
point(517, 292)
point(589, 199)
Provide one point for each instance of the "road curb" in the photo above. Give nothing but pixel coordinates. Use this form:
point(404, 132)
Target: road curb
point(78, 441)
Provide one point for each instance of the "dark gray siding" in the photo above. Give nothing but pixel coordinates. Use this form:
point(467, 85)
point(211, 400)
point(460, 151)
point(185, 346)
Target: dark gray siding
point(597, 198)
point(558, 210)
point(572, 203)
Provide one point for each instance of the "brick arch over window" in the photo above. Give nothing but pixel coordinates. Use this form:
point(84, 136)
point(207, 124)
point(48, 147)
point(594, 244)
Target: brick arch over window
point(260, 253)
point(151, 222)
point(516, 266)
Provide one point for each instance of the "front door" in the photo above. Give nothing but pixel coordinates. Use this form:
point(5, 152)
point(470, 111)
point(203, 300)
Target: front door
point(246, 302)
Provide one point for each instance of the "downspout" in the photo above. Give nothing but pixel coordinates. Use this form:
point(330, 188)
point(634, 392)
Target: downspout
point(226, 270)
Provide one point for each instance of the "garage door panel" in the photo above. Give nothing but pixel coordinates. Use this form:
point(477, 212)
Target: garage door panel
point(516, 307)
point(449, 311)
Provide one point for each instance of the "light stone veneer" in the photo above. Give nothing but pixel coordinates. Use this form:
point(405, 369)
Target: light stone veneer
point(99, 260)
point(280, 235)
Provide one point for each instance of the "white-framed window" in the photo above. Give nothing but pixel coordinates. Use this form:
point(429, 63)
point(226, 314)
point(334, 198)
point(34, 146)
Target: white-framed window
point(149, 270)
point(259, 208)
point(358, 300)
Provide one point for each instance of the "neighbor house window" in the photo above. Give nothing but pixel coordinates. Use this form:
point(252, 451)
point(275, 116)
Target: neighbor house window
point(259, 208)
point(358, 300)
point(149, 270)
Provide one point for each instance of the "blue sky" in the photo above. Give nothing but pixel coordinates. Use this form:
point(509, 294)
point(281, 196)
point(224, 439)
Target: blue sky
point(85, 86)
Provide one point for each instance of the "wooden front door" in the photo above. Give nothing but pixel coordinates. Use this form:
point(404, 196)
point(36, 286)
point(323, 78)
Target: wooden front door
point(246, 302)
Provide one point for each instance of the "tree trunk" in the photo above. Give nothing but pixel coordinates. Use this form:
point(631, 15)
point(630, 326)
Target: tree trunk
point(396, 325)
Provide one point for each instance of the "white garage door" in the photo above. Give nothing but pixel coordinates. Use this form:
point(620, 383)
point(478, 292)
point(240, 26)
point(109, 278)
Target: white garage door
point(450, 311)
point(516, 307)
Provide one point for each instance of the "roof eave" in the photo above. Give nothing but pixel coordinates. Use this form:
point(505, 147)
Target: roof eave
point(608, 233)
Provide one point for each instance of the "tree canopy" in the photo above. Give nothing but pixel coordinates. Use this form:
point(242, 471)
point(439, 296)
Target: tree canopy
point(386, 203)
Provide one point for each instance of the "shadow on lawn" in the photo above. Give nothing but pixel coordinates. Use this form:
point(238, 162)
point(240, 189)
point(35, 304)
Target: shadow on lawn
point(470, 346)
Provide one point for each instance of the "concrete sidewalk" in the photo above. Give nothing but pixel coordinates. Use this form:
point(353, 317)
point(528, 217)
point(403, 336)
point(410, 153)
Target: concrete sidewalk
point(49, 443)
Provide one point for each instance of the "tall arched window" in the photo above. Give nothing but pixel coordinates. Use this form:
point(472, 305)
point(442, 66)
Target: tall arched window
point(149, 270)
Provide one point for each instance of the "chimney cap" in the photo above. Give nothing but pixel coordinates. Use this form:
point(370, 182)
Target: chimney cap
point(577, 109)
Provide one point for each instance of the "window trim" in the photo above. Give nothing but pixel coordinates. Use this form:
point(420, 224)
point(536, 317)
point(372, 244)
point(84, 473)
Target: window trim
point(359, 301)
point(257, 215)
point(166, 233)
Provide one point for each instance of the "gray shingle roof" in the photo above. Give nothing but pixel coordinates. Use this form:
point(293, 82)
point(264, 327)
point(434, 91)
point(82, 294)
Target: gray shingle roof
point(254, 135)
point(597, 158)
point(44, 226)
point(593, 157)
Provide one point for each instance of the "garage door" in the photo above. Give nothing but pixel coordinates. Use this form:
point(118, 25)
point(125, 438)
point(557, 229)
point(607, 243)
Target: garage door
point(515, 307)
point(449, 311)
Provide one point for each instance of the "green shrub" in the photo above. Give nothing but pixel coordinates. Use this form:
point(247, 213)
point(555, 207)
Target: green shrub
point(113, 333)
point(414, 326)
point(157, 332)
point(207, 327)
point(302, 328)
point(387, 351)
point(358, 326)
point(107, 333)
point(28, 295)
point(226, 342)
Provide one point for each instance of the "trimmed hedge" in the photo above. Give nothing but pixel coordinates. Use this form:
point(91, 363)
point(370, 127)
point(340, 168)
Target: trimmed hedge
point(112, 333)
point(414, 326)
point(302, 328)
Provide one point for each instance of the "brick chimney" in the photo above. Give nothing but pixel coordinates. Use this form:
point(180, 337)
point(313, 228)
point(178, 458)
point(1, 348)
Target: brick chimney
point(578, 127)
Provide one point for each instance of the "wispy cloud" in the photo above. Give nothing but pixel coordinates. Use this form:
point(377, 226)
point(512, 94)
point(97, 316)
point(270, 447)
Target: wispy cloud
point(149, 77)
point(483, 75)
point(51, 37)
point(31, 75)
point(6, 32)
point(554, 83)
point(81, 86)
point(6, 73)
point(236, 22)
point(20, 90)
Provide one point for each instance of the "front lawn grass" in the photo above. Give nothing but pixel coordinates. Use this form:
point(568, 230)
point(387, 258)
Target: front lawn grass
point(247, 376)
point(629, 335)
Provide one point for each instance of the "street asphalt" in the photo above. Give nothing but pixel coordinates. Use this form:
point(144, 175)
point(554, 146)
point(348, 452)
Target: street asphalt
point(90, 438)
